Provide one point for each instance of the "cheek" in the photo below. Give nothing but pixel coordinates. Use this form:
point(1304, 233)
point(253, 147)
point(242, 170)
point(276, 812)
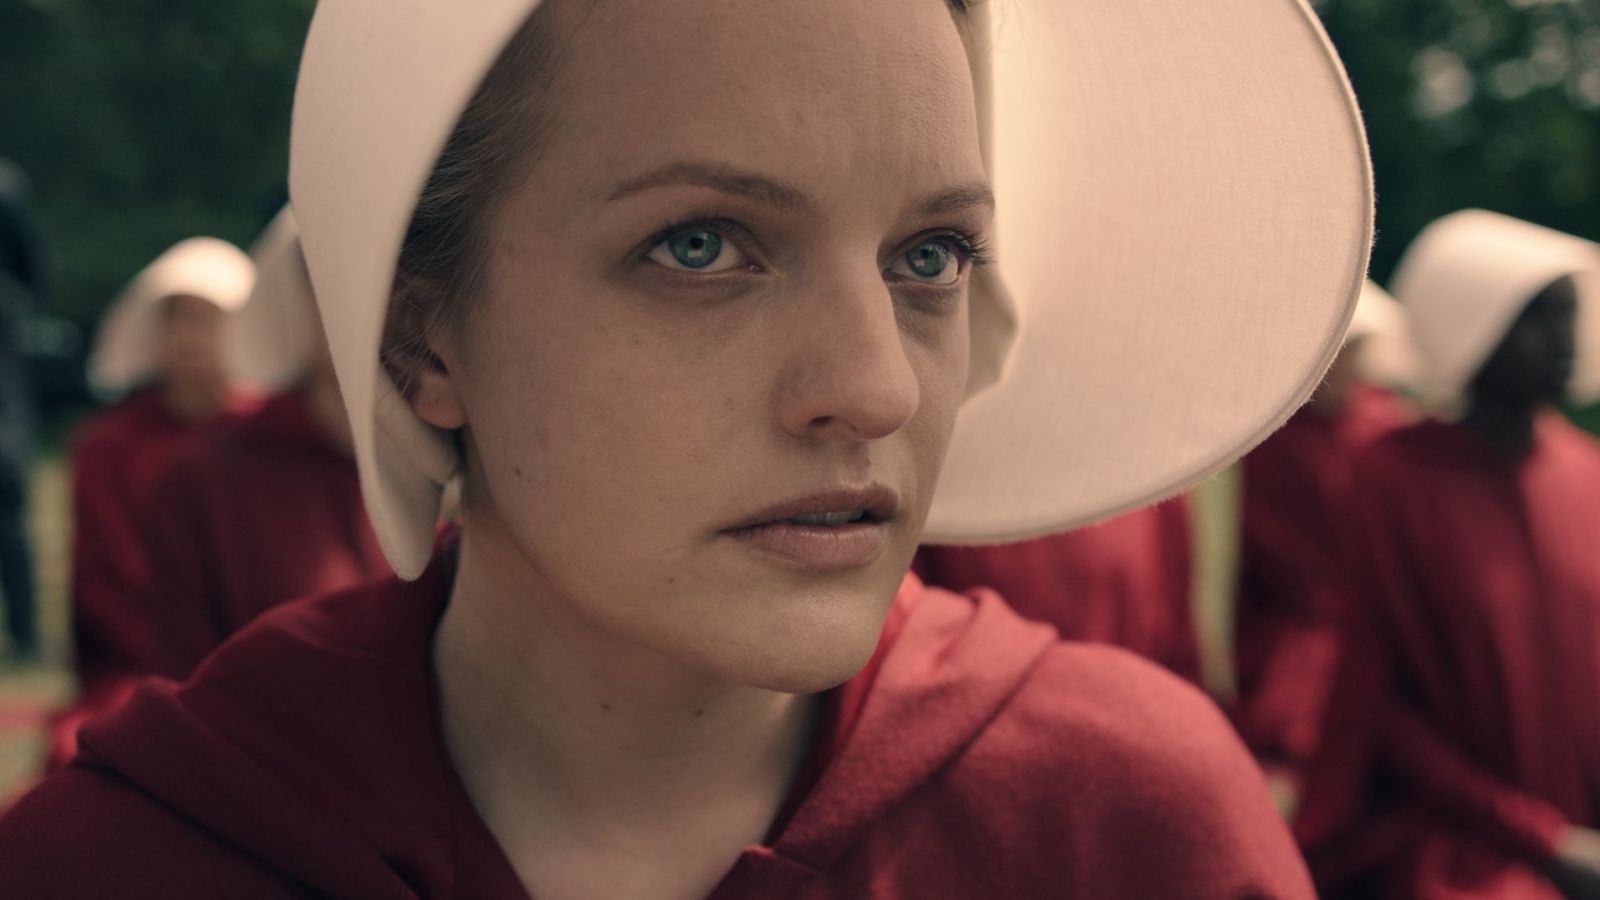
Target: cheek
point(593, 440)
point(941, 363)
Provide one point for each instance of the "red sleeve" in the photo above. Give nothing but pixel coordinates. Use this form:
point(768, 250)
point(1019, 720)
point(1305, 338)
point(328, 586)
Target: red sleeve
point(1280, 716)
point(1367, 724)
point(1524, 824)
point(1335, 798)
point(110, 574)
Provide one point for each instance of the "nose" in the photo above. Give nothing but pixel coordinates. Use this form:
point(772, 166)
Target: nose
point(849, 375)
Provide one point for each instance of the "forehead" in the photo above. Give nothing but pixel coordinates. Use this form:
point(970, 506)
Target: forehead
point(189, 306)
point(805, 85)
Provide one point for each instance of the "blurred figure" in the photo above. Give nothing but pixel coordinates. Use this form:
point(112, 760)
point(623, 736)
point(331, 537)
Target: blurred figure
point(162, 347)
point(21, 285)
point(1124, 582)
point(1462, 749)
point(1294, 523)
point(268, 509)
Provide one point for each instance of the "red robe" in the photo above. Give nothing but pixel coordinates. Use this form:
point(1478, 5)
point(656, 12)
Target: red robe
point(253, 513)
point(118, 459)
point(975, 757)
point(1294, 524)
point(265, 512)
point(1463, 732)
point(1124, 582)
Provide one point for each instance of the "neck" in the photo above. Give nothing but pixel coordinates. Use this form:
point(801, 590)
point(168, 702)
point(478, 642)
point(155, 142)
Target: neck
point(192, 402)
point(327, 407)
point(1506, 427)
point(578, 745)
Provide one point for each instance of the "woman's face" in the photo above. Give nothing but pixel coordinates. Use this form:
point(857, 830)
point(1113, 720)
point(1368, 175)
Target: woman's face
point(189, 352)
point(732, 290)
point(1533, 364)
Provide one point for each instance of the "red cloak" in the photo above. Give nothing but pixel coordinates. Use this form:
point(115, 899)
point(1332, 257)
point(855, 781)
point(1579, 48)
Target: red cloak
point(1295, 522)
point(1462, 733)
point(976, 757)
point(1124, 582)
point(262, 513)
point(117, 460)
point(251, 513)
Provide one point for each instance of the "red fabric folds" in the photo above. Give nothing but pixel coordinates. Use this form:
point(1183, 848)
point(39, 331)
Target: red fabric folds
point(262, 513)
point(1462, 733)
point(118, 459)
point(256, 510)
point(985, 759)
point(1296, 530)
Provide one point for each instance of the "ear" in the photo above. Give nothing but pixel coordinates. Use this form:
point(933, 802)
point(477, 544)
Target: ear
point(435, 396)
point(420, 357)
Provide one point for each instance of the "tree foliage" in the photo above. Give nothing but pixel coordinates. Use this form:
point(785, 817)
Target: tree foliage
point(146, 121)
point(143, 122)
point(1487, 103)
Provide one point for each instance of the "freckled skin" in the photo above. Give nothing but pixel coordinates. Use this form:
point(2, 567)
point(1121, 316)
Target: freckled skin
point(619, 416)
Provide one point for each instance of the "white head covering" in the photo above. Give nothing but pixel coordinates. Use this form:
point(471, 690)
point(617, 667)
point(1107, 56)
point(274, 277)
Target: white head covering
point(1388, 357)
point(1468, 276)
point(124, 354)
point(1184, 219)
point(277, 328)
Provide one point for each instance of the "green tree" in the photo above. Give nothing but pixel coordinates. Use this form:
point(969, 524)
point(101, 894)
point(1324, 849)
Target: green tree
point(143, 122)
point(1488, 103)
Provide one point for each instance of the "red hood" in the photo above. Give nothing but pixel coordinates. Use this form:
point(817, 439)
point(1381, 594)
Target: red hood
point(310, 741)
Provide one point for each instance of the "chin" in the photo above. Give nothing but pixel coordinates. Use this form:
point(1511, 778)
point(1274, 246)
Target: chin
point(814, 675)
point(805, 653)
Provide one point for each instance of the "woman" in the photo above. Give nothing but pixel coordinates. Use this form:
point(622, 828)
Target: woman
point(1295, 532)
point(1462, 746)
point(690, 302)
point(269, 509)
point(164, 348)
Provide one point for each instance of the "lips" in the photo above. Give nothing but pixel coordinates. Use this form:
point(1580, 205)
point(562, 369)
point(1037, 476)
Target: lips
point(872, 504)
point(830, 531)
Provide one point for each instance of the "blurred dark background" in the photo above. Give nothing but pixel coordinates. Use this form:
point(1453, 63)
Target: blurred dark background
point(143, 122)
point(140, 123)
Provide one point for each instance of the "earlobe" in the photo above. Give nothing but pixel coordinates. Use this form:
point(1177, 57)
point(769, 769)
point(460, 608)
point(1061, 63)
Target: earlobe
point(436, 399)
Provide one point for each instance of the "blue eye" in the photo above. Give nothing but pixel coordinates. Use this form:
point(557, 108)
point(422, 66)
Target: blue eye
point(696, 250)
point(932, 262)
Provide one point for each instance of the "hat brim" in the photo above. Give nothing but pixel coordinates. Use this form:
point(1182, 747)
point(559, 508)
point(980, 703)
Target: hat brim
point(276, 329)
point(1467, 276)
point(1183, 227)
point(1387, 355)
point(124, 354)
point(1185, 218)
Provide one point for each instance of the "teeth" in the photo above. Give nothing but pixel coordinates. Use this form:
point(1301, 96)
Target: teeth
point(830, 519)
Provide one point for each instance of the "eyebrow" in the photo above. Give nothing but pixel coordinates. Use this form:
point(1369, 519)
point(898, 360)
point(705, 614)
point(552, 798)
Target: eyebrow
point(722, 178)
point(742, 183)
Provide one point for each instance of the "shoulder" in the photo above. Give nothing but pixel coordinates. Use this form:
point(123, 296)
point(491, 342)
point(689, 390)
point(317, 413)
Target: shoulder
point(104, 430)
point(1127, 762)
point(1131, 718)
point(85, 833)
point(1113, 774)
